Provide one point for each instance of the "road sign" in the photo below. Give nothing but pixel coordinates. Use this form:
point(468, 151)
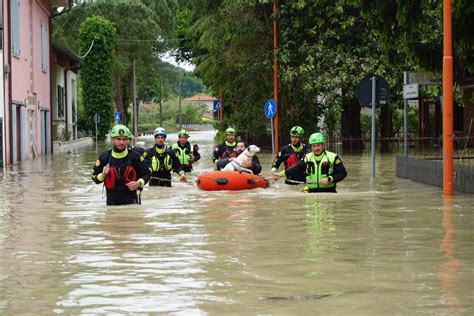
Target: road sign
point(96, 118)
point(118, 116)
point(410, 91)
point(270, 108)
point(424, 78)
point(364, 91)
point(217, 105)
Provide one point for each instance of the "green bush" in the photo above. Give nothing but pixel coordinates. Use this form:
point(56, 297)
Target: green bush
point(96, 72)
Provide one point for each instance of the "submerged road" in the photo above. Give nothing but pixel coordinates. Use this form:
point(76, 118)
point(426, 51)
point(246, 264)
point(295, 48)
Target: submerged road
point(389, 247)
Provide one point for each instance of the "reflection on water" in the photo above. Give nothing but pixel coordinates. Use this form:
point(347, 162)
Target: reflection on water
point(448, 269)
point(320, 224)
point(395, 248)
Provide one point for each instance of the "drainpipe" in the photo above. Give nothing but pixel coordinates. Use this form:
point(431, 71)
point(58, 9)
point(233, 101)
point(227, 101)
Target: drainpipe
point(9, 98)
point(66, 104)
point(50, 95)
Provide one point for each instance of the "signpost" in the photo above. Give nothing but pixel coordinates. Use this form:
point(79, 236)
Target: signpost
point(364, 91)
point(96, 121)
point(118, 116)
point(216, 105)
point(270, 111)
point(373, 90)
point(422, 78)
point(410, 91)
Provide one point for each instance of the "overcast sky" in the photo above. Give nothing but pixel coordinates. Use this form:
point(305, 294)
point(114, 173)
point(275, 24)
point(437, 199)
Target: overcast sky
point(169, 59)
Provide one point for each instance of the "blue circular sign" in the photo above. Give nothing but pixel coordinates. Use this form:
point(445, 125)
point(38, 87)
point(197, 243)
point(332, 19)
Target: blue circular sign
point(270, 108)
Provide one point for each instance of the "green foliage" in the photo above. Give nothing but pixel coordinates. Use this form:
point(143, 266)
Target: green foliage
point(333, 120)
point(232, 56)
point(365, 123)
point(325, 48)
point(412, 120)
point(414, 30)
point(142, 31)
point(96, 71)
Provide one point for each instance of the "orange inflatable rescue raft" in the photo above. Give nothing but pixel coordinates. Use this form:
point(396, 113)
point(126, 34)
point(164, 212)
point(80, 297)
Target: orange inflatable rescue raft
point(230, 180)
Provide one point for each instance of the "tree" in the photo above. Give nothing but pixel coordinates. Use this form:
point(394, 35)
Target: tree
point(325, 48)
point(415, 28)
point(142, 31)
point(97, 38)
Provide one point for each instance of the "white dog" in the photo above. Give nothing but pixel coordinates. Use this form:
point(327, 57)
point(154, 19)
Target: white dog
point(243, 162)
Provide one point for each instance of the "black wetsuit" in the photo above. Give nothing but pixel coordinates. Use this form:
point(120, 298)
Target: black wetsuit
point(290, 157)
point(117, 191)
point(162, 161)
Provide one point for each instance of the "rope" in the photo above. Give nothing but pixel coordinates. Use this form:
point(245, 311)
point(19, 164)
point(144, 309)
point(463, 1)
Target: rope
point(301, 182)
point(171, 180)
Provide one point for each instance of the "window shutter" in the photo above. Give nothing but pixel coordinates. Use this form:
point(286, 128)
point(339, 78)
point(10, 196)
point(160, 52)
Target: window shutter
point(15, 33)
point(44, 47)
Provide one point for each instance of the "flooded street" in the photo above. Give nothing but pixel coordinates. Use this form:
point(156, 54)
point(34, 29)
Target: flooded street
point(389, 247)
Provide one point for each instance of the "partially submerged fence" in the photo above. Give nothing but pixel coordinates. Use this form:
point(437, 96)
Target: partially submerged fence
point(198, 127)
point(430, 171)
point(424, 162)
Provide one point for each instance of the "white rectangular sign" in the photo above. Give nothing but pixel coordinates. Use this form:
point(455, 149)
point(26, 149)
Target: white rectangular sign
point(424, 78)
point(410, 91)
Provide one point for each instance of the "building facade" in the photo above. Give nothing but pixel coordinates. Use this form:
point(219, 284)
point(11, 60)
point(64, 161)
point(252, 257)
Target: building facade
point(26, 109)
point(64, 67)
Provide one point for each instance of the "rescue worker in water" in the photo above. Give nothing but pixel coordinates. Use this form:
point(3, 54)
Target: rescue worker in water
point(162, 160)
point(321, 168)
point(123, 171)
point(187, 153)
point(292, 153)
point(227, 148)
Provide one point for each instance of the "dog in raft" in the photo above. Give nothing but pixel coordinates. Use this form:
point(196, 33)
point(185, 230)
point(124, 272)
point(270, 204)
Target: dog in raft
point(246, 161)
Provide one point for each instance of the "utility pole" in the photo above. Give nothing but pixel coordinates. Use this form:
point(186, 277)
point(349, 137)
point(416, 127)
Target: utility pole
point(180, 111)
point(275, 72)
point(448, 178)
point(135, 106)
point(161, 95)
point(221, 109)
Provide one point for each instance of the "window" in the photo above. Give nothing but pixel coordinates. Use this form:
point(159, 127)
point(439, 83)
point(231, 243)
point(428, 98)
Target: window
point(15, 27)
point(60, 102)
point(44, 47)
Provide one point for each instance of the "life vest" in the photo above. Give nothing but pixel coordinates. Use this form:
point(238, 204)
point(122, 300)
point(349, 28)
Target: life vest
point(291, 161)
point(229, 150)
point(184, 154)
point(161, 161)
point(317, 170)
point(295, 156)
point(119, 177)
point(233, 154)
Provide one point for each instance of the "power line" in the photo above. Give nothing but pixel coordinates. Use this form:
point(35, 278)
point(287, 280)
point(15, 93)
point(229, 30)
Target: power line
point(152, 40)
point(80, 57)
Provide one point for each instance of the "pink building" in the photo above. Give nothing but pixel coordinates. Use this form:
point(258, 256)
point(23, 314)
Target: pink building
point(25, 98)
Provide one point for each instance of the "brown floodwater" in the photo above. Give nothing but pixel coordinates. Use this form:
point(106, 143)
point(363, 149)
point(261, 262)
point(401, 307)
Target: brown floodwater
point(389, 246)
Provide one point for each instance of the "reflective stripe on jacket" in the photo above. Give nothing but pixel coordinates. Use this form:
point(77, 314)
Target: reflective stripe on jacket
point(161, 162)
point(184, 154)
point(317, 170)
